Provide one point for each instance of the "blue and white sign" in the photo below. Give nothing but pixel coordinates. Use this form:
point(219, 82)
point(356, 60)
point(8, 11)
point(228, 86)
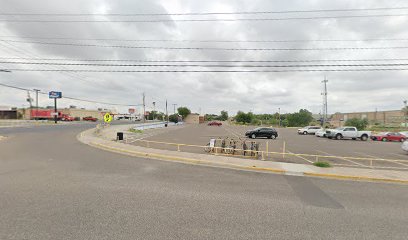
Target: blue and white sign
point(54, 94)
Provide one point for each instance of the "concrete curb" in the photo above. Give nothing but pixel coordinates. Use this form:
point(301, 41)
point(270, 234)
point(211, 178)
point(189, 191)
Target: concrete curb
point(235, 166)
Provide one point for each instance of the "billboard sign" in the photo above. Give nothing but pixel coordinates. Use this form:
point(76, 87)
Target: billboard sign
point(54, 94)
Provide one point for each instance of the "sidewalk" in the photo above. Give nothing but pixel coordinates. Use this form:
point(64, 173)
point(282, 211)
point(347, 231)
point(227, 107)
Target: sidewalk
point(103, 140)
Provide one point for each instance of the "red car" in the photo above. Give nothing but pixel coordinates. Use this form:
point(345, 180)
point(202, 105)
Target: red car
point(92, 119)
point(214, 124)
point(389, 136)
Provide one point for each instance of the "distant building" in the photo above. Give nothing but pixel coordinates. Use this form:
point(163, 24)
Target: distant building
point(387, 118)
point(194, 118)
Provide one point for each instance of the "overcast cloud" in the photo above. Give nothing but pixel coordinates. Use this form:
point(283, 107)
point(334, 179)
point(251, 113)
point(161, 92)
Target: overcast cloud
point(208, 92)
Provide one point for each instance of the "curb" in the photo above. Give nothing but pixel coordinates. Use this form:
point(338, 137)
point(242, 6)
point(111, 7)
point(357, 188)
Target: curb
point(236, 166)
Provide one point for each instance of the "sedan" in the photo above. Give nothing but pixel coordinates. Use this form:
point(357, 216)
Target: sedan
point(321, 133)
point(214, 124)
point(262, 132)
point(309, 130)
point(389, 136)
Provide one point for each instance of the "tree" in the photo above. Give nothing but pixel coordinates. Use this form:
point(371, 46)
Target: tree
point(360, 124)
point(174, 118)
point(301, 118)
point(183, 111)
point(244, 117)
point(223, 116)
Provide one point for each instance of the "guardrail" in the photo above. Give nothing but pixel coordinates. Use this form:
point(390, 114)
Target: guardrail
point(283, 156)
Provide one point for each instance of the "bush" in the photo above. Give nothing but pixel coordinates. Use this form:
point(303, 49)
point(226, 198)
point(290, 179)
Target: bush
point(360, 124)
point(244, 117)
point(174, 118)
point(322, 164)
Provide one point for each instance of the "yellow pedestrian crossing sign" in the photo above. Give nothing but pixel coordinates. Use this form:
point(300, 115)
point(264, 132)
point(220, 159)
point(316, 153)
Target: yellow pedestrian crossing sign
point(107, 118)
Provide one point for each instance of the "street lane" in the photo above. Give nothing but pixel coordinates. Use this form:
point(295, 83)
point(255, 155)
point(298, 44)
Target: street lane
point(54, 187)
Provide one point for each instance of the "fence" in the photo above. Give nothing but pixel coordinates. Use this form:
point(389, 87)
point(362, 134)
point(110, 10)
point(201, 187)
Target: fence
point(284, 156)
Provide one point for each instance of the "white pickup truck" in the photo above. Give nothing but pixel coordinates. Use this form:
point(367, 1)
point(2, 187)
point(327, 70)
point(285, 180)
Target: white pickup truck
point(348, 132)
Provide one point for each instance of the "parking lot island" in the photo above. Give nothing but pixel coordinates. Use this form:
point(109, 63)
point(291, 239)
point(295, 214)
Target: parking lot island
point(105, 139)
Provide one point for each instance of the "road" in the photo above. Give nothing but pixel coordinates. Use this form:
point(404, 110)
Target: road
point(53, 187)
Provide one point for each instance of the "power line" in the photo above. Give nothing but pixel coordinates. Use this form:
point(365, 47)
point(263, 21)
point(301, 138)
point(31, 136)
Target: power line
point(207, 13)
point(208, 65)
point(211, 41)
point(208, 71)
point(67, 97)
point(206, 61)
point(209, 48)
point(199, 20)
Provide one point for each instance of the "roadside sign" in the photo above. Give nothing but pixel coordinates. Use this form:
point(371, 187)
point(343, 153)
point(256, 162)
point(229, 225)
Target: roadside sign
point(132, 110)
point(107, 118)
point(54, 94)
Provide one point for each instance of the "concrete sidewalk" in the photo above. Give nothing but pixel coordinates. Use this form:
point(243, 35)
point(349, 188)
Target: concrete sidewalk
point(104, 140)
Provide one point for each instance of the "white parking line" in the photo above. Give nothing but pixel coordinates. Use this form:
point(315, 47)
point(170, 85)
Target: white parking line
point(356, 163)
point(384, 159)
point(300, 157)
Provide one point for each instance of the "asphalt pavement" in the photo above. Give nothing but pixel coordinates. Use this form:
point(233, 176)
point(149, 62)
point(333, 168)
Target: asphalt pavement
point(54, 187)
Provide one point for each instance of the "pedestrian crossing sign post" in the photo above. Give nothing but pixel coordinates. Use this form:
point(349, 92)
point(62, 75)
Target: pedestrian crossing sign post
point(107, 118)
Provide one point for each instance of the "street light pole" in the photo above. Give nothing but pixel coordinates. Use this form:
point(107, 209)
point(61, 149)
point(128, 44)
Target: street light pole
point(279, 117)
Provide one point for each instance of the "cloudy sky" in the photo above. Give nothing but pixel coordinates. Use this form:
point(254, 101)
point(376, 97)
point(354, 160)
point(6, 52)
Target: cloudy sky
point(106, 36)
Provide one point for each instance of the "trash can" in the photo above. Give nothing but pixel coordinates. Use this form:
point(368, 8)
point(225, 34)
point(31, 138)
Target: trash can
point(119, 136)
point(165, 124)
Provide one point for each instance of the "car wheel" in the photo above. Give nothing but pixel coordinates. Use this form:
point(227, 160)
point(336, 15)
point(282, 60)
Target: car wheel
point(338, 136)
point(384, 139)
point(304, 133)
point(364, 138)
point(324, 135)
point(354, 138)
point(253, 136)
point(272, 137)
point(402, 139)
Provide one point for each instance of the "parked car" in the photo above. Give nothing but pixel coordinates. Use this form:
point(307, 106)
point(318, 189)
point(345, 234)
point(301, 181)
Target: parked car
point(262, 132)
point(321, 133)
point(348, 132)
point(389, 136)
point(309, 130)
point(405, 134)
point(214, 124)
point(89, 118)
point(404, 146)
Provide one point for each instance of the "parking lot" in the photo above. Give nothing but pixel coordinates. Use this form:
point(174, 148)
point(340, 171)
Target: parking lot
point(286, 147)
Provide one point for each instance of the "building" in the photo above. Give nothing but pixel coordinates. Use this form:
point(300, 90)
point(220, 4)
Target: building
point(386, 118)
point(7, 112)
point(194, 118)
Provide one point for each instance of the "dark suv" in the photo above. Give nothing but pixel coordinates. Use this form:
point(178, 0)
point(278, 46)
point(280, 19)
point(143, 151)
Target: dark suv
point(262, 132)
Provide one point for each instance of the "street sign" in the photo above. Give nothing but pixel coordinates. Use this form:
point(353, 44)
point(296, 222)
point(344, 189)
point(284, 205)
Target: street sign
point(54, 94)
point(107, 118)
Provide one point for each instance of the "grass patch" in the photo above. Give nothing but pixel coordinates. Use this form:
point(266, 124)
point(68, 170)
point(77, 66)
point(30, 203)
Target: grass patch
point(322, 164)
point(132, 130)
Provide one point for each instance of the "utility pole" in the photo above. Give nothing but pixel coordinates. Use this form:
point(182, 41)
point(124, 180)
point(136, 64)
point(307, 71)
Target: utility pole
point(144, 108)
point(154, 109)
point(324, 94)
point(174, 106)
point(36, 100)
point(30, 100)
point(279, 117)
